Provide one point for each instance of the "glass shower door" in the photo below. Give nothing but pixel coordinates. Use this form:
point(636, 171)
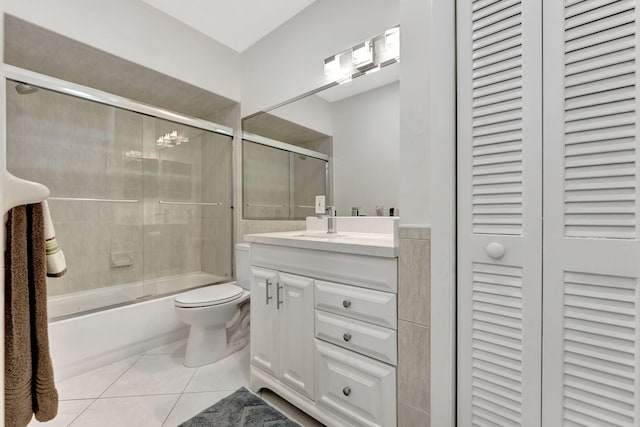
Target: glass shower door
point(187, 207)
point(141, 206)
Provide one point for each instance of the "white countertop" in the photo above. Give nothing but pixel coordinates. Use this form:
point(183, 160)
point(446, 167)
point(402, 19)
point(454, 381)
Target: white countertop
point(370, 244)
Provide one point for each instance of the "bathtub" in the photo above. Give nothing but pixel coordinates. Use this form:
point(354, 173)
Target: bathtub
point(88, 341)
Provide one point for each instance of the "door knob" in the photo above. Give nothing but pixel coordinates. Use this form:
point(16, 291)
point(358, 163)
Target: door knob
point(495, 250)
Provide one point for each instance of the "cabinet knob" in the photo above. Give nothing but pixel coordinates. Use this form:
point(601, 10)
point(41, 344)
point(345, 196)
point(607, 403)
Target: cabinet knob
point(346, 391)
point(346, 303)
point(347, 336)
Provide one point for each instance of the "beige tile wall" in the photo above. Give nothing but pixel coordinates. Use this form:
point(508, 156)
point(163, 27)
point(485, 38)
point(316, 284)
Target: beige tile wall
point(414, 332)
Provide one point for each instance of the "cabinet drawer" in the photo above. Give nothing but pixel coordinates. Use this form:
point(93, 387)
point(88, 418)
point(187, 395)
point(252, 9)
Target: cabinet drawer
point(365, 271)
point(355, 387)
point(367, 305)
point(370, 340)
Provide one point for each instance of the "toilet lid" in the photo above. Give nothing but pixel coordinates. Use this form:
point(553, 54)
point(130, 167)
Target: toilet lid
point(209, 295)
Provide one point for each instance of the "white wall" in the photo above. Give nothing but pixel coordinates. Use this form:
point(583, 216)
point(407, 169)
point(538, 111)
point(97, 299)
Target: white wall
point(366, 150)
point(415, 156)
point(139, 33)
point(289, 61)
point(311, 112)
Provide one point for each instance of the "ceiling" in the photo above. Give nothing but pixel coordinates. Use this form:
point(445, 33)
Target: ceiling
point(237, 24)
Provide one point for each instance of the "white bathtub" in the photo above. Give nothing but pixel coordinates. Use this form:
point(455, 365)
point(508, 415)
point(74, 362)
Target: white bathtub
point(89, 341)
point(62, 305)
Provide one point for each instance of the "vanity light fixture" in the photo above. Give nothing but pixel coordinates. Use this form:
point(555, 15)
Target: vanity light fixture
point(366, 57)
point(332, 65)
point(362, 55)
point(392, 42)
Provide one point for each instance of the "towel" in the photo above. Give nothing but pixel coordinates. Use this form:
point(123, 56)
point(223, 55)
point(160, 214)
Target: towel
point(56, 264)
point(29, 385)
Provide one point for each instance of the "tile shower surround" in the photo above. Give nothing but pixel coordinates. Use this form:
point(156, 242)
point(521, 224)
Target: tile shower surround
point(79, 149)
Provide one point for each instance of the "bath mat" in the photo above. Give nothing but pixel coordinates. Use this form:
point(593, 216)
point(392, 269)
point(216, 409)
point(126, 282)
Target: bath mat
point(241, 409)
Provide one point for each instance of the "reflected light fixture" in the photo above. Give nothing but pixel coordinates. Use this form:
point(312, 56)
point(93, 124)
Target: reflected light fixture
point(170, 139)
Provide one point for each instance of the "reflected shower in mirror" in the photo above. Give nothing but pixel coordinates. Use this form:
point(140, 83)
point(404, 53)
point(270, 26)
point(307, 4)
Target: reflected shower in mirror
point(357, 125)
point(280, 181)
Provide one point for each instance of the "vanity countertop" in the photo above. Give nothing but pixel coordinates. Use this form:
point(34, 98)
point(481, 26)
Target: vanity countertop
point(370, 244)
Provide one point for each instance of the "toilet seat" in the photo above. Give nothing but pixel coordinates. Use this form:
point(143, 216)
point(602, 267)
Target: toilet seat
point(208, 296)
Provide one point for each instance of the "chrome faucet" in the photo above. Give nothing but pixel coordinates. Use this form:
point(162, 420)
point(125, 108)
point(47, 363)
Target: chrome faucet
point(330, 213)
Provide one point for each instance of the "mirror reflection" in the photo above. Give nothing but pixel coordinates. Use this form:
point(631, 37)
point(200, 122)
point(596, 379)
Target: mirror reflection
point(356, 124)
point(279, 184)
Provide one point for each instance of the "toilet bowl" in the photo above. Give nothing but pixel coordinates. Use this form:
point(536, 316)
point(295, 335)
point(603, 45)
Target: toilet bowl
point(218, 315)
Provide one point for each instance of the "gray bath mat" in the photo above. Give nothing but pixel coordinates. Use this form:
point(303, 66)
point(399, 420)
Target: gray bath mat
point(241, 409)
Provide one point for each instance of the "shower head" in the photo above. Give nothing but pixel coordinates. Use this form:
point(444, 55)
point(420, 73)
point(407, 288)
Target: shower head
point(25, 89)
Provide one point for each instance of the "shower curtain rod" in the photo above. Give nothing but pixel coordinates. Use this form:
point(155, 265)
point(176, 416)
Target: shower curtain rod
point(84, 92)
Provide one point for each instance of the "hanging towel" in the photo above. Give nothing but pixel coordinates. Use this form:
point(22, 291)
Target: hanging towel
point(29, 386)
point(56, 264)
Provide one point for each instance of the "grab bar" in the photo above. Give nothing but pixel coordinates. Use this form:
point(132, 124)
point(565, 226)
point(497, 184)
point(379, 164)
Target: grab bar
point(86, 199)
point(164, 202)
point(306, 206)
point(265, 206)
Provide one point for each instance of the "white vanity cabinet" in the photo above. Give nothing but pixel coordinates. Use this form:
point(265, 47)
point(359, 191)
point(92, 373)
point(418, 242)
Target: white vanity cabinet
point(282, 328)
point(324, 332)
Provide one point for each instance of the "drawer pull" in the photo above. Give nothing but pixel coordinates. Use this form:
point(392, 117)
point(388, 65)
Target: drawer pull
point(347, 336)
point(346, 303)
point(346, 391)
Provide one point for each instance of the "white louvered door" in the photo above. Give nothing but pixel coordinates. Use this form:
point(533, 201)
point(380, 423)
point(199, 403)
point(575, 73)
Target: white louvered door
point(591, 211)
point(499, 208)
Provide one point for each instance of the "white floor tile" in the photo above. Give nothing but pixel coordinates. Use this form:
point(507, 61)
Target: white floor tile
point(289, 410)
point(230, 373)
point(191, 404)
point(152, 374)
point(94, 383)
point(68, 410)
point(138, 411)
point(177, 347)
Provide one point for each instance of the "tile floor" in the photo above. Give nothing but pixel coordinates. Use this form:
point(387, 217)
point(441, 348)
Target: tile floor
point(154, 389)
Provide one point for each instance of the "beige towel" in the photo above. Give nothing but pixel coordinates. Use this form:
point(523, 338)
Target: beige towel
point(29, 384)
point(56, 264)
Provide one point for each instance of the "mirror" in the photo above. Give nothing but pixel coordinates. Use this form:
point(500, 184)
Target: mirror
point(356, 124)
point(281, 184)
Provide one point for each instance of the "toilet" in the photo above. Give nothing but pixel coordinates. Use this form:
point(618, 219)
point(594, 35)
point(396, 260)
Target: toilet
point(218, 315)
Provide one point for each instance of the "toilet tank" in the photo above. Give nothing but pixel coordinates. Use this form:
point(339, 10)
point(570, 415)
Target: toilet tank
point(243, 265)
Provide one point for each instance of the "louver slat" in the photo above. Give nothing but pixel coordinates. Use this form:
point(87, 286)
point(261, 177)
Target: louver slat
point(497, 117)
point(599, 349)
point(600, 120)
point(497, 344)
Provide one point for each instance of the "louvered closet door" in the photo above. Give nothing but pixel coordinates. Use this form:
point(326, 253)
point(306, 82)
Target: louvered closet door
point(591, 240)
point(499, 206)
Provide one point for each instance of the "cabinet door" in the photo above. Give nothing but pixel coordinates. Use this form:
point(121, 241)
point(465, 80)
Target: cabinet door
point(264, 351)
point(295, 324)
point(499, 211)
point(591, 359)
